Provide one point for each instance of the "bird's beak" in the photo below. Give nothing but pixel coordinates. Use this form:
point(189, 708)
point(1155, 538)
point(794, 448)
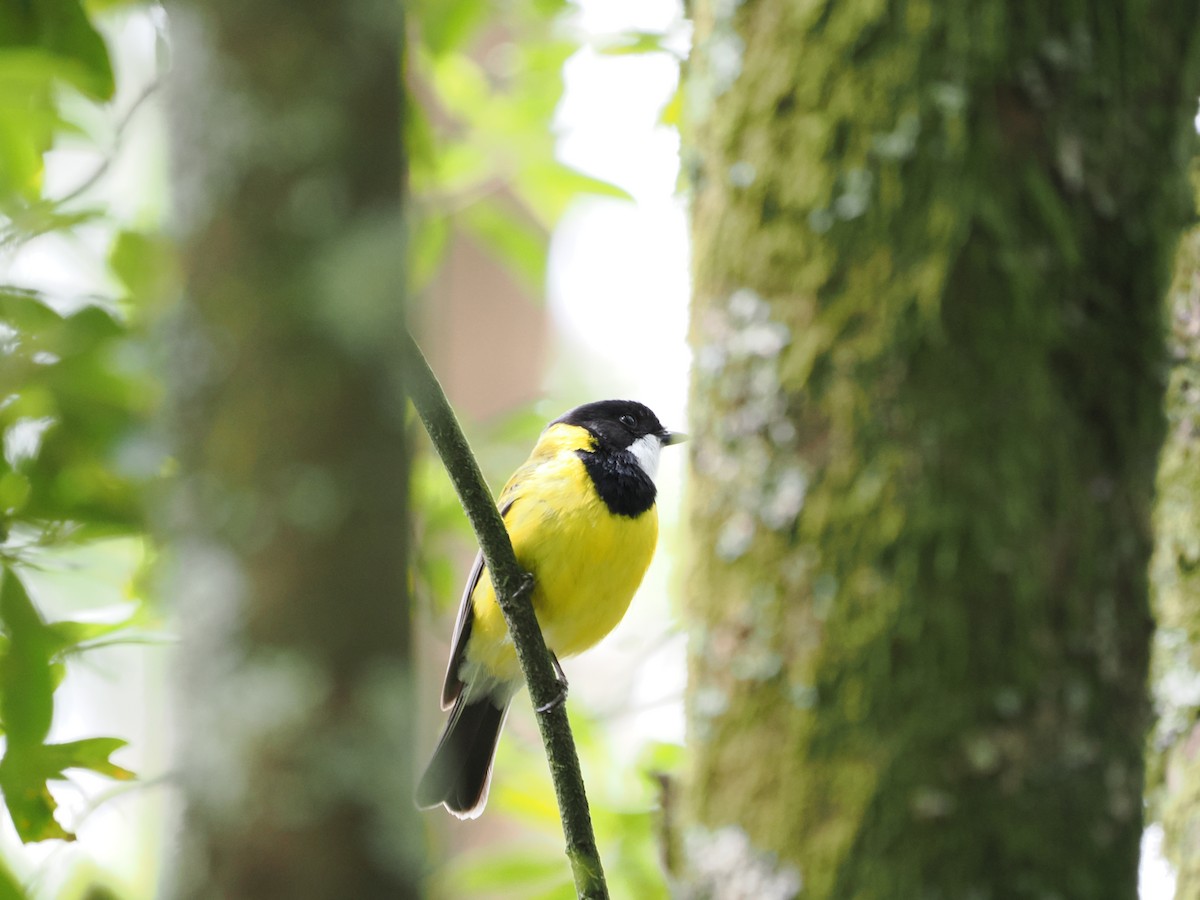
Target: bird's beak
point(672, 437)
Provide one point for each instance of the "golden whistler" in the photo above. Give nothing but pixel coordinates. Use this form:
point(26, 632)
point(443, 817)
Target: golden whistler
point(581, 515)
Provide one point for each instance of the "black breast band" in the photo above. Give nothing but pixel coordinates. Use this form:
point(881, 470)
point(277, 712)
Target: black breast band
point(622, 484)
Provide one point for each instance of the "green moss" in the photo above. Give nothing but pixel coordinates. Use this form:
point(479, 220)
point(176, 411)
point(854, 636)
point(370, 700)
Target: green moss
point(1174, 752)
point(956, 265)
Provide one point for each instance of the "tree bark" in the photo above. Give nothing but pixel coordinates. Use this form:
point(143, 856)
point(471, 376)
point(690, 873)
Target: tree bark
point(1174, 776)
point(930, 250)
point(288, 527)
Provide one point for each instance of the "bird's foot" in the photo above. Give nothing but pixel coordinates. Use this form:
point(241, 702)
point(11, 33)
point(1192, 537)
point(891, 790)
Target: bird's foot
point(561, 697)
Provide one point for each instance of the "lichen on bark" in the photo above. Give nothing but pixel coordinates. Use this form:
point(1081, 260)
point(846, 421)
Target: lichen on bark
point(1173, 780)
point(929, 255)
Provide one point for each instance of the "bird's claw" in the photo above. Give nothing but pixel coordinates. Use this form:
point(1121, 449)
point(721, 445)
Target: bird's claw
point(561, 697)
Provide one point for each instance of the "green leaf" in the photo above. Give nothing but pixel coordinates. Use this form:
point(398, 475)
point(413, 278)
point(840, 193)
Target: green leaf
point(672, 112)
point(94, 7)
point(90, 753)
point(146, 264)
point(26, 680)
point(25, 771)
point(10, 887)
point(79, 374)
point(463, 168)
point(462, 85)
point(661, 758)
point(446, 25)
point(631, 42)
point(29, 119)
point(548, 9)
point(515, 241)
point(28, 677)
point(69, 635)
point(43, 45)
point(62, 28)
point(29, 803)
point(26, 707)
point(548, 187)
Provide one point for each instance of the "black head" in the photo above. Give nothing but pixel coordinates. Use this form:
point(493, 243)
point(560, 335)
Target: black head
point(623, 462)
point(618, 424)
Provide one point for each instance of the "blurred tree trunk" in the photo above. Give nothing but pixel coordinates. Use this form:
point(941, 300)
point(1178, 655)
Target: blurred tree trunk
point(931, 243)
point(288, 526)
point(1174, 780)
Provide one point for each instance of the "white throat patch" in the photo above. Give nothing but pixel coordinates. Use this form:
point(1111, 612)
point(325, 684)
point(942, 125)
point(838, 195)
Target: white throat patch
point(645, 450)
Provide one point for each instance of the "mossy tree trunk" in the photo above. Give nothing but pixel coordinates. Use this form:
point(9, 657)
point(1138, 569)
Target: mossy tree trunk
point(288, 526)
point(931, 243)
point(1174, 778)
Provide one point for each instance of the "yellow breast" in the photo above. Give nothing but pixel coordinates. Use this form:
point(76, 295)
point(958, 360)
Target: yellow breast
point(586, 562)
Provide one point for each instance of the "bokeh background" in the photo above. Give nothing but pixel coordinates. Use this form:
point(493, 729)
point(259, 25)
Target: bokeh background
point(552, 270)
point(549, 241)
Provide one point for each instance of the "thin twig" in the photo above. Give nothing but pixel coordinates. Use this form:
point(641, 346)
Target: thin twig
point(514, 589)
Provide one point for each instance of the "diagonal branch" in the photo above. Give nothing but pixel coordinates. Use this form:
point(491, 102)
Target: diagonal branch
point(513, 590)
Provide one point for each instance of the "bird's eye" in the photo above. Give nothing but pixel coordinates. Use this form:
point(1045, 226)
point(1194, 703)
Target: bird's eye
point(628, 421)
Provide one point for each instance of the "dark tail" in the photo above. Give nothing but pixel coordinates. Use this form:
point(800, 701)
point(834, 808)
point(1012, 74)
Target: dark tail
point(460, 772)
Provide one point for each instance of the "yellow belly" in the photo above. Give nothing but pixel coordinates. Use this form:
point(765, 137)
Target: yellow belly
point(586, 564)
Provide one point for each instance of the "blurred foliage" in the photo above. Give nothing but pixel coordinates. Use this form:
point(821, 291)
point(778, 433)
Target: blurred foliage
point(487, 79)
point(43, 47)
point(67, 418)
point(624, 805)
point(75, 396)
point(30, 670)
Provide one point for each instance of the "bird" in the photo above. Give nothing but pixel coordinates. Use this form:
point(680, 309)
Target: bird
point(581, 514)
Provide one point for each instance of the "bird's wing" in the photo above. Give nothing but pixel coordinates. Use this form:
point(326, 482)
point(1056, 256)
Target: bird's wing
point(452, 685)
